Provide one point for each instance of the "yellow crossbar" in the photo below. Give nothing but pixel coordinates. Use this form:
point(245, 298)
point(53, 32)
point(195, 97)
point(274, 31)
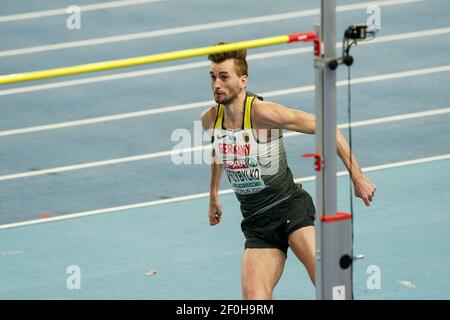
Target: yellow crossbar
point(160, 57)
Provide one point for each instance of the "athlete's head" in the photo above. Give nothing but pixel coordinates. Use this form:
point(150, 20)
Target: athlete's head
point(229, 74)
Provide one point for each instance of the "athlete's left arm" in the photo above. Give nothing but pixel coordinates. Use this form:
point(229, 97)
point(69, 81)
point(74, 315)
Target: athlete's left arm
point(269, 115)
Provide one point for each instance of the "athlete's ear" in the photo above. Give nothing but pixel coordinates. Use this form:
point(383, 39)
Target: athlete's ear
point(244, 81)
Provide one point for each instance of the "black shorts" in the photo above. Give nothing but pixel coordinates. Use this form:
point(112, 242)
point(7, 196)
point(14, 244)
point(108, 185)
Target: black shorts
point(271, 229)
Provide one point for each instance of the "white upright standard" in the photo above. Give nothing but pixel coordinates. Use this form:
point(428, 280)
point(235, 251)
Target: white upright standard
point(333, 232)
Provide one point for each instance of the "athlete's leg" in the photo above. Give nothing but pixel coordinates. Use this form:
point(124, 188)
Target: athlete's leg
point(302, 243)
point(261, 270)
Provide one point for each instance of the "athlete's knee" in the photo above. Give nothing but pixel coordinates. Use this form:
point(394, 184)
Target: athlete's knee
point(257, 293)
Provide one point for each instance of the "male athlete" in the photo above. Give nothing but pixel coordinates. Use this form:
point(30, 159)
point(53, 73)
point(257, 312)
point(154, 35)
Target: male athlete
point(246, 134)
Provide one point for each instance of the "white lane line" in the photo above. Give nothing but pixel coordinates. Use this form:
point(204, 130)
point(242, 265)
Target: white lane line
point(408, 35)
point(396, 75)
point(198, 27)
point(176, 152)
point(206, 194)
point(101, 163)
point(188, 66)
point(204, 104)
point(97, 163)
point(109, 118)
point(86, 8)
point(371, 122)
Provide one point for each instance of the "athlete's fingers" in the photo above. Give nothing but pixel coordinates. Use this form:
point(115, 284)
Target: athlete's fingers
point(211, 219)
point(366, 201)
point(214, 218)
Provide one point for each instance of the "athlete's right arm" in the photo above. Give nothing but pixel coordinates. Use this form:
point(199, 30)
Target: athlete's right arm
point(215, 207)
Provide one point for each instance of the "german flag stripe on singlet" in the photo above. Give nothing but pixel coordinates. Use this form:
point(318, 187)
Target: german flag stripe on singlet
point(247, 114)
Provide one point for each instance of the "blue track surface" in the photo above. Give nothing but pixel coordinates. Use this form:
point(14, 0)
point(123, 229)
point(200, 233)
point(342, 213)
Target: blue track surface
point(404, 232)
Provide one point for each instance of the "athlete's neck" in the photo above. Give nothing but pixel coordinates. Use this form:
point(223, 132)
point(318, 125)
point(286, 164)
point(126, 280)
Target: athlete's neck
point(234, 111)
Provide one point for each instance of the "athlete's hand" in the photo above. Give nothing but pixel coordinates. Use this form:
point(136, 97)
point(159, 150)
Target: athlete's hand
point(364, 189)
point(214, 212)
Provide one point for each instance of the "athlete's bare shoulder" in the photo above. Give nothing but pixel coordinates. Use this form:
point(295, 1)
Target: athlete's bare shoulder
point(264, 112)
point(208, 117)
point(263, 105)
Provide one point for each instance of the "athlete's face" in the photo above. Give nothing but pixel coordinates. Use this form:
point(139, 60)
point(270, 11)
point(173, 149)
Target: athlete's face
point(225, 82)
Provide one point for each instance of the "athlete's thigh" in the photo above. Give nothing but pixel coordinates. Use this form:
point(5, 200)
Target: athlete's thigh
point(262, 268)
point(302, 243)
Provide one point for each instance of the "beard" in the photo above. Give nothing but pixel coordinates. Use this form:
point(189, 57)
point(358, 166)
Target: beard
point(225, 99)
